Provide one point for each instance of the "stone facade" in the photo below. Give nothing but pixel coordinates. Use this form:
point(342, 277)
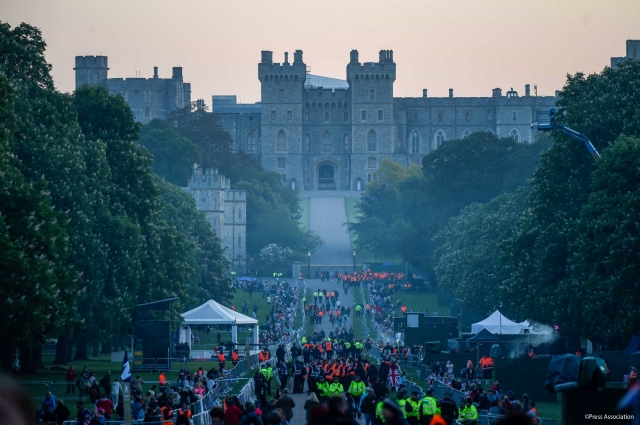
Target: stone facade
point(633, 52)
point(226, 211)
point(334, 135)
point(149, 98)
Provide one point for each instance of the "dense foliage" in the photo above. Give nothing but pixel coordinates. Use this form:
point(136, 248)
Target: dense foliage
point(87, 231)
point(402, 210)
point(192, 135)
point(563, 250)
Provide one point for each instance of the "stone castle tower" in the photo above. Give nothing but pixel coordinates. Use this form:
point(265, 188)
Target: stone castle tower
point(226, 211)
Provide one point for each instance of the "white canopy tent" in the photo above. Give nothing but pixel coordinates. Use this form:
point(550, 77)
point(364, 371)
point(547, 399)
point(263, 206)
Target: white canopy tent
point(212, 313)
point(498, 324)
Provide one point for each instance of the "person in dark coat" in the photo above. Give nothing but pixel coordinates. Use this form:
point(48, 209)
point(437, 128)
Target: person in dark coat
point(287, 404)
point(448, 409)
point(372, 374)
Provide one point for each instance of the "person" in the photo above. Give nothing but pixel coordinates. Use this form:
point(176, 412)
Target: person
point(166, 413)
point(469, 415)
point(357, 390)
point(287, 404)
point(221, 360)
point(71, 377)
point(337, 412)
point(532, 412)
point(412, 408)
point(48, 416)
point(368, 406)
point(250, 417)
point(428, 408)
point(62, 412)
point(217, 415)
point(137, 408)
point(49, 401)
point(184, 410)
point(83, 413)
point(105, 382)
point(323, 388)
point(162, 380)
point(98, 418)
point(116, 390)
point(283, 373)
point(136, 385)
point(448, 408)
point(311, 403)
point(391, 413)
point(106, 405)
point(233, 412)
point(235, 358)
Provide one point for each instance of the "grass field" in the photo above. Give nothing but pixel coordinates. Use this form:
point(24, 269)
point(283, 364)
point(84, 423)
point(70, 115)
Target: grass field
point(365, 256)
point(421, 302)
point(304, 212)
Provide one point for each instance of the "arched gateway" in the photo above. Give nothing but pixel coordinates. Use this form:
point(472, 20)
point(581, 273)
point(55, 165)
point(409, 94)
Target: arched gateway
point(327, 172)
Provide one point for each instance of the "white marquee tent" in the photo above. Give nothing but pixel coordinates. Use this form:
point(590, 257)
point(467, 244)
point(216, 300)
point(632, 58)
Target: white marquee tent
point(212, 313)
point(498, 324)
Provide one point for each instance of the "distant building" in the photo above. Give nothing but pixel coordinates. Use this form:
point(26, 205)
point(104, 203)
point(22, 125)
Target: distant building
point(226, 211)
point(149, 98)
point(633, 52)
point(326, 133)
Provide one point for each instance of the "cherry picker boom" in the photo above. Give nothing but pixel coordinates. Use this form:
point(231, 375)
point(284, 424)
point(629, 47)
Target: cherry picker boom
point(545, 122)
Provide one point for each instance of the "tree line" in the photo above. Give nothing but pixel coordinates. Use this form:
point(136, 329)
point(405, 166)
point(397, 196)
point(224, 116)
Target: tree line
point(542, 229)
point(87, 230)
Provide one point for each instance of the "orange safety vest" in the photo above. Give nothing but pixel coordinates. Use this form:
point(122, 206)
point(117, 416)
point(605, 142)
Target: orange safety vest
point(437, 420)
point(328, 346)
point(368, 307)
point(534, 420)
point(168, 416)
point(262, 357)
point(183, 413)
point(235, 357)
point(221, 358)
point(327, 295)
point(162, 380)
point(320, 313)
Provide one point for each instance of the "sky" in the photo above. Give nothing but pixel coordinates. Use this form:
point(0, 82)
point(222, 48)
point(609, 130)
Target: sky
point(471, 46)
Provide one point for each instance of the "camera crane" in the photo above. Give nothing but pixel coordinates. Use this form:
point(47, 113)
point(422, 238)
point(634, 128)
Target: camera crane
point(545, 122)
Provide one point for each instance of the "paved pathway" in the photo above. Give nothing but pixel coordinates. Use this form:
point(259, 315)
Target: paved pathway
point(347, 300)
point(327, 218)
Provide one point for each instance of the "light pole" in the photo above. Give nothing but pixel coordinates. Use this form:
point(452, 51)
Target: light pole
point(309, 264)
point(354, 261)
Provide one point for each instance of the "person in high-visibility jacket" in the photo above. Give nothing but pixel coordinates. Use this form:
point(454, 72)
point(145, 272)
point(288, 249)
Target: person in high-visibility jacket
point(162, 380)
point(379, 418)
point(402, 401)
point(324, 389)
point(532, 413)
point(413, 408)
point(357, 390)
point(469, 415)
point(221, 360)
point(185, 411)
point(167, 415)
point(336, 389)
point(428, 408)
point(235, 358)
point(267, 372)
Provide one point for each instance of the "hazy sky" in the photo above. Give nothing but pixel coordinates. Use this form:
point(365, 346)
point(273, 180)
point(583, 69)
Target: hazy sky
point(471, 46)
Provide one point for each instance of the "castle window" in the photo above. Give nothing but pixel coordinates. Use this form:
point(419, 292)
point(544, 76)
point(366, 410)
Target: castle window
point(466, 134)
point(369, 179)
point(439, 116)
point(281, 141)
point(273, 116)
point(439, 138)
point(289, 116)
point(147, 113)
point(239, 240)
point(372, 95)
point(346, 144)
point(372, 141)
point(326, 142)
point(346, 106)
point(514, 115)
point(345, 116)
point(306, 116)
point(380, 115)
point(467, 116)
point(515, 134)
point(251, 142)
point(363, 115)
point(281, 95)
point(281, 163)
point(387, 77)
point(357, 78)
point(372, 162)
point(415, 142)
point(307, 143)
point(345, 163)
point(326, 116)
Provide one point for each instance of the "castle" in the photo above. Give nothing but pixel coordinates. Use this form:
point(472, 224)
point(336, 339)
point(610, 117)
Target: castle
point(325, 133)
point(149, 98)
point(225, 210)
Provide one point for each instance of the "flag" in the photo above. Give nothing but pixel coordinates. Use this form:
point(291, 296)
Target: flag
point(393, 377)
point(125, 376)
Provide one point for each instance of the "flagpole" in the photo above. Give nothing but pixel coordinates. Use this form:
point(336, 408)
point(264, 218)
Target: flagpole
point(125, 376)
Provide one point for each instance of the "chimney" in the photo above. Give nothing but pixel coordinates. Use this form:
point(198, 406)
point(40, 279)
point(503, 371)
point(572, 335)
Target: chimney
point(297, 56)
point(424, 92)
point(353, 56)
point(155, 72)
point(497, 92)
point(390, 55)
point(381, 56)
point(177, 73)
point(527, 90)
point(286, 57)
point(451, 93)
point(267, 57)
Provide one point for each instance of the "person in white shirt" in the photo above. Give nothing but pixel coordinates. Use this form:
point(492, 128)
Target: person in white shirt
point(449, 368)
point(116, 389)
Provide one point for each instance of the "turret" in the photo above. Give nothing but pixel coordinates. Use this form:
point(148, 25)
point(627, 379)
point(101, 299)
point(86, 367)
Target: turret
point(92, 70)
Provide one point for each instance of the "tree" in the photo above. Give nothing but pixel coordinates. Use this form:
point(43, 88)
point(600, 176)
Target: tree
point(173, 154)
point(275, 255)
point(605, 262)
point(603, 106)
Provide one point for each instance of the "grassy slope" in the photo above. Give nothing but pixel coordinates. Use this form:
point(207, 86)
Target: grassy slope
point(304, 212)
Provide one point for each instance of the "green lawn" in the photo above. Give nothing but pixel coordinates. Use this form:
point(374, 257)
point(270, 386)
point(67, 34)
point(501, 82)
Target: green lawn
point(420, 302)
point(549, 409)
point(304, 212)
point(365, 256)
